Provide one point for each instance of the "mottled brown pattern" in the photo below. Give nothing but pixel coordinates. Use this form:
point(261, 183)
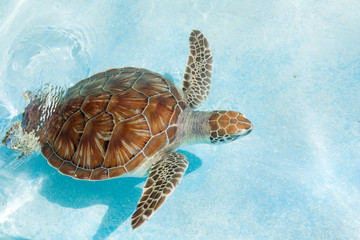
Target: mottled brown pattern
point(155, 144)
point(227, 126)
point(243, 125)
point(99, 174)
point(174, 91)
point(214, 126)
point(215, 116)
point(171, 133)
point(231, 129)
point(221, 132)
point(224, 121)
point(82, 173)
point(150, 85)
point(56, 122)
point(163, 178)
point(96, 76)
point(242, 118)
point(74, 91)
point(112, 71)
point(67, 141)
point(55, 161)
point(93, 86)
point(31, 116)
point(232, 114)
point(128, 139)
point(46, 150)
point(92, 147)
point(127, 104)
point(135, 162)
point(121, 82)
point(95, 104)
point(42, 139)
point(233, 121)
point(197, 76)
point(103, 135)
point(114, 172)
point(72, 106)
point(175, 116)
point(182, 105)
point(133, 69)
point(67, 168)
point(159, 111)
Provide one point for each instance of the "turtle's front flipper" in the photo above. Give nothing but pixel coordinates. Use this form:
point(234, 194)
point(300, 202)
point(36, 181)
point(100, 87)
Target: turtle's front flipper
point(197, 76)
point(164, 177)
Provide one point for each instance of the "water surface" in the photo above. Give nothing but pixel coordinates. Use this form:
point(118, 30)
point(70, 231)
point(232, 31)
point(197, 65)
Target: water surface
point(293, 67)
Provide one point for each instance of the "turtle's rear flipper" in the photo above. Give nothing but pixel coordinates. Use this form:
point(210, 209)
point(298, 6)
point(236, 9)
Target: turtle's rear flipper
point(164, 177)
point(197, 76)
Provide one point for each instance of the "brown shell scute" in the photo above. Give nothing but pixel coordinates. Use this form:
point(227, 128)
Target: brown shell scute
point(151, 85)
point(69, 136)
point(72, 107)
point(121, 82)
point(129, 138)
point(95, 104)
point(127, 104)
point(111, 123)
point(160, 108)
point(93, 85)
point(91, 149)
point(54, 127)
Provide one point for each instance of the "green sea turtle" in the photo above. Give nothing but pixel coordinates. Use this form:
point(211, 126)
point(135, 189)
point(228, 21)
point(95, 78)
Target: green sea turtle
point(128, 122)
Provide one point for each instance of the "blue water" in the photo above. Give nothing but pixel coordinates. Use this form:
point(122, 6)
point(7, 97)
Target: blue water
point(293, 67)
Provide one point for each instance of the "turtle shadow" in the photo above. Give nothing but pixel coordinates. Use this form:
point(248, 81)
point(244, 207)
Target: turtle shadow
point(120, 195)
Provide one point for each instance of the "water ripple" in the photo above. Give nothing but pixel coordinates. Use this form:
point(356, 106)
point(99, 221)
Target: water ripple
point(38, 56)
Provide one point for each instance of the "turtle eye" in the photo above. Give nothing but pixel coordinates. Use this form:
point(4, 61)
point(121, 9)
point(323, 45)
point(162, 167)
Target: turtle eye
point(226, 126)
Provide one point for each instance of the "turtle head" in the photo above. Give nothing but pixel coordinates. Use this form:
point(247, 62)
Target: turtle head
point(12, 137)
point(18, 140)
point(226, 126)
point(23, 136)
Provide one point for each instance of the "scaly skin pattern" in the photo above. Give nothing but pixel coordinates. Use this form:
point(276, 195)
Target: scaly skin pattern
point(227, 126)
point(169, 167)
point(164, 177)
point(198, 71)
point(211, 127)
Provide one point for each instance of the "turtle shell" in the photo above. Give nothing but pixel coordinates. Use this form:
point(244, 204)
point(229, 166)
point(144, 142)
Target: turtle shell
point(111, 123)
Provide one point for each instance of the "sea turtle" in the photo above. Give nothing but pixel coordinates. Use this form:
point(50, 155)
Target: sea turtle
point(126, 122)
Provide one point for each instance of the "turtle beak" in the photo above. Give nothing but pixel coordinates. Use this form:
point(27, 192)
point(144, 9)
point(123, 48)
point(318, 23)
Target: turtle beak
point(244, 126)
